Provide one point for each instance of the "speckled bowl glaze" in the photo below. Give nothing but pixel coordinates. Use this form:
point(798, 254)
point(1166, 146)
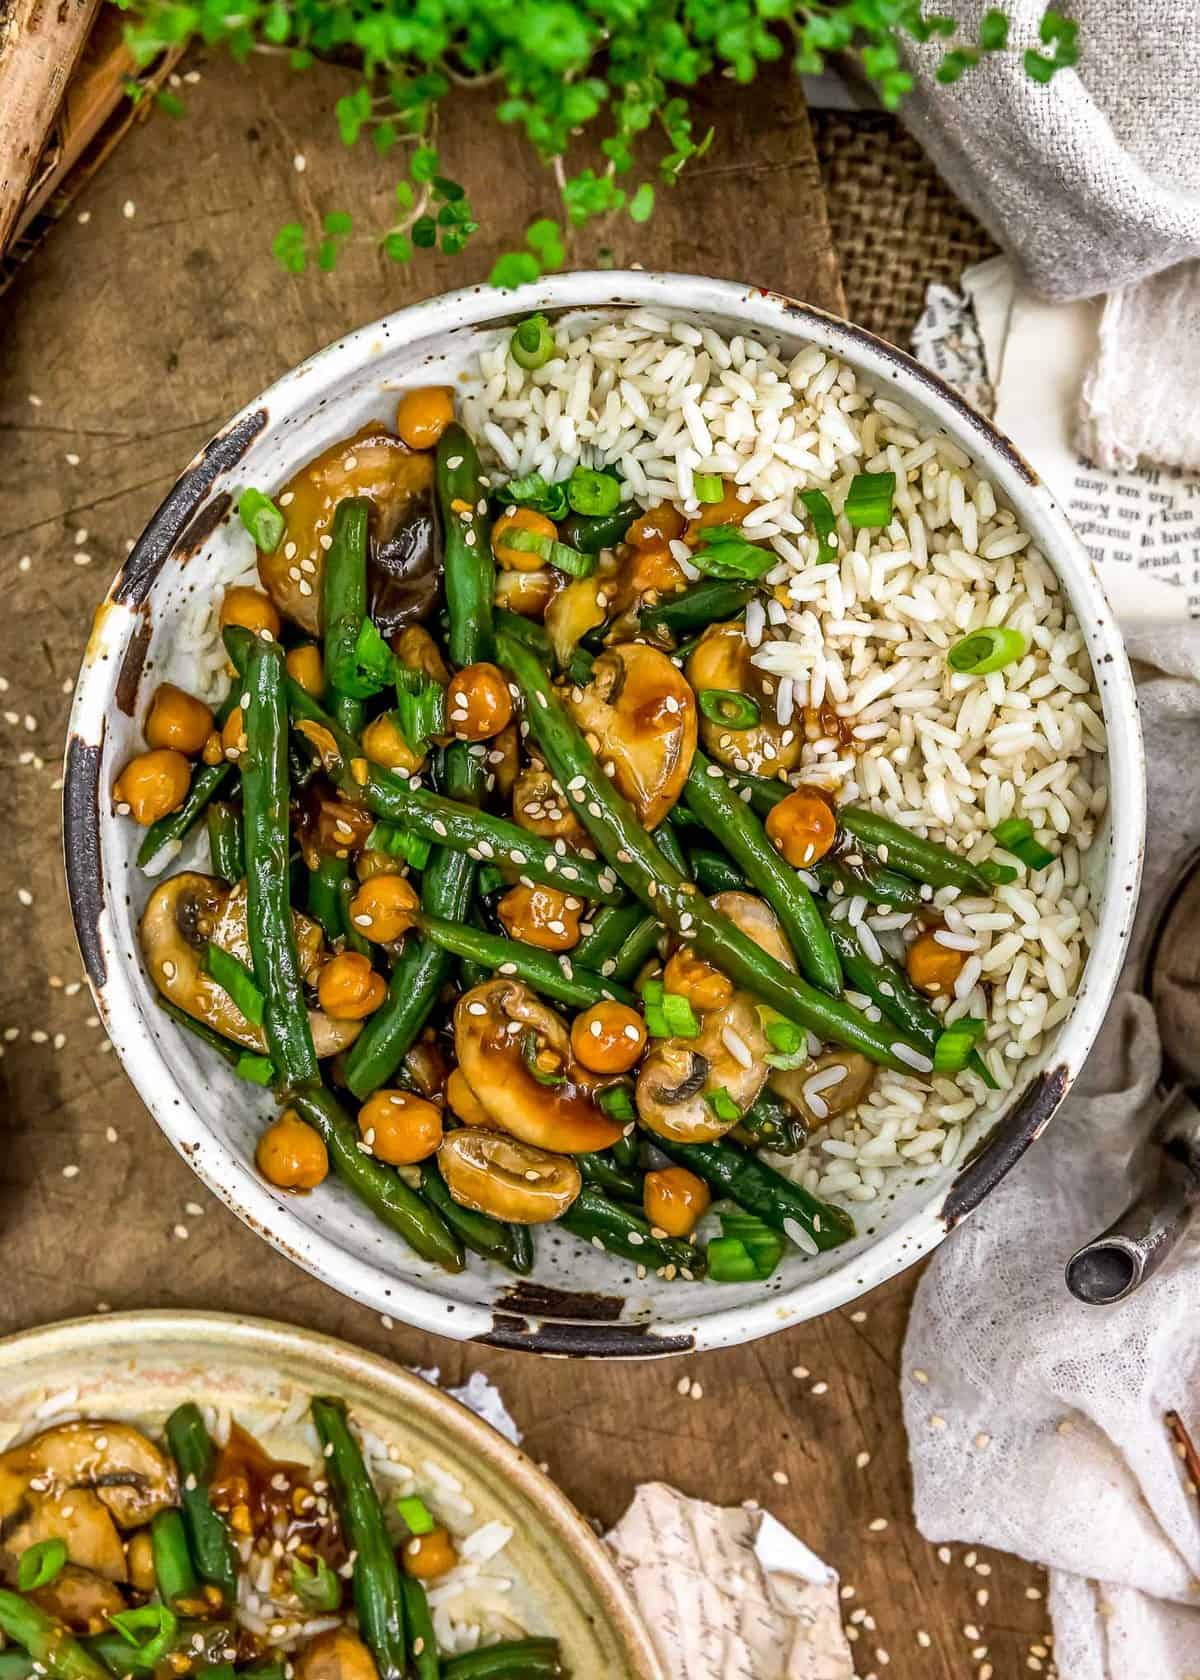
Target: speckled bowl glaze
point(577, 1302)
point(139, 1366)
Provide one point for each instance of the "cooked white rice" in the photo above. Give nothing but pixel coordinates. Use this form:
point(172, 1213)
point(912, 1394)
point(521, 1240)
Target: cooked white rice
point(949, 756)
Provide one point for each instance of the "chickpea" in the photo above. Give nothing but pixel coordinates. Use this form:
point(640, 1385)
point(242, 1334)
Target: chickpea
point(152, 785)
point(540, 805)
point(384, 744)
point(541, 916)
point(385, 908)
point(341, 828)
point(251, 609)
point(521, 519)
point(400, 1127)
point(674, 1200)
point(423, 415)
point(349, 988)
point(139, 1556)
point(233, 735)
point(803, 827)
point(177, 720)
point(426, 1556)
point(608, 1038)
point(656, 527)
point(702, 985)
point(291, 1155)
point(528, 593)
point(213, 752)
point(656, 568)
point(464, 1102)
point(478, 704)
point(306, 667)
point(933, 967)
point(730, 510)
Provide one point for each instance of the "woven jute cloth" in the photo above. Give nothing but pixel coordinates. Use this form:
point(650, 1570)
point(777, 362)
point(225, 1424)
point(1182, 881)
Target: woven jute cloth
point(896, 225)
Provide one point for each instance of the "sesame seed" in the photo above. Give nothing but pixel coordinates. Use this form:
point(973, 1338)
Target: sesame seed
point(877, 1525)
point(780, 1478)
point(299, 163)
point(71, 1171)
point(800, 1372)
point(819, 1388)
point(862, 1460)
point(129, 209)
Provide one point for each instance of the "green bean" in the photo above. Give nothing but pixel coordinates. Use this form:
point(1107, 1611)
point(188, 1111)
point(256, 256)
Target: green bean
point(510, 1245)
point(225, 1047)
point(620, 838)
point(268, 896)
point(625, 1150)
point(15, 1665)
point(923, 860)
point(515, 1659)
point(217, 1644)
point(636, 950)
point(469, 567)
point(225, 842)
point(713, 872)
point(713, 800)
point(621, 1231)
point(668, 844)
point(344, 603)
point(610, 928)
point(378, 1186)
point(470, 972)
point(770, 1123)
point(173, 1572)
point(605, 1174)
point(209, 1541)
point(356, 939)
point(764, 794)
point(55, 1651)
point(324, 899)
point(870, 881)
point(708, 602)
point(176, 825)
point(557, 977)
point(589, 533)
point(759, 1189)
point(421, 1638)
point(378, 1592)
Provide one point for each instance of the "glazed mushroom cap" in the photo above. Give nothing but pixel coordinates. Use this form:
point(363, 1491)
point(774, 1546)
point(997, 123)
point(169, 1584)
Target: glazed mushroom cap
point(336, 1654)
point(492, 1028)
point(678, 1074)
point(755, 918)
point(839, 1096)
point(721, 659)
point(185, 913)
point(640, 716)
point(507, 1179)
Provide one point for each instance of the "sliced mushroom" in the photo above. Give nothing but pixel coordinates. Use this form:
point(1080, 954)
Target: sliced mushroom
point(721, 660)
point(337, 1654)
point(642, 716)
point(831, 1096)
point(403, 573)
point(678, 1075)
point(510, 1180)
point(541, 807)
point(583, 605)
point(515, 1054)
point(415, 648)
point(188, 911)
point(81, 1599)
point(755, 918)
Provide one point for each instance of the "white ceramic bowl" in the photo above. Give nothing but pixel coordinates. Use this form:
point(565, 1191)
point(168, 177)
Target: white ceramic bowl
point(577, 1301)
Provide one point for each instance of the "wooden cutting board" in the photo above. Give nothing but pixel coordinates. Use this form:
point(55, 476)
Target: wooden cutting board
point(152, 313)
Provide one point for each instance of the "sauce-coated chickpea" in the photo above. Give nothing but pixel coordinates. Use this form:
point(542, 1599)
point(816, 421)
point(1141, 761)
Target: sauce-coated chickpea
point(291, 1155)
point(399, 1127)
point(426, 1556)
point(152, 785)
point(933, 967)
point(251, 609)
point(674, 1200)
point(423, 415)
point(541, 916)
point(656, 527)
point(213, 751)
point(608, 1037)
point(521, 519)
point(478, 704)
point(385, 907)
point(384, 744)
point(233, 735)
point(349, 988)
point(139, 1556)
point(177, 720)
point(704, 986)
point(803, 827)
point(306, 667)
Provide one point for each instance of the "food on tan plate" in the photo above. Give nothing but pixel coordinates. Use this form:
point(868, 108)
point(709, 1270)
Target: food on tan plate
point(644, 793)
point(123, 1556)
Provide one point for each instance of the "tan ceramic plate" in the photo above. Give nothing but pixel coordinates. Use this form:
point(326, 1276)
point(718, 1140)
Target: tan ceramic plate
point(140, 1365)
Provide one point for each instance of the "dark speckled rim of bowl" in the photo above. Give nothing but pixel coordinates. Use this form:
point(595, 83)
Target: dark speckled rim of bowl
point(531, 1317)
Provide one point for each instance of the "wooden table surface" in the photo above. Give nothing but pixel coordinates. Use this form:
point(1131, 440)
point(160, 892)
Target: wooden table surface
point(154, 311)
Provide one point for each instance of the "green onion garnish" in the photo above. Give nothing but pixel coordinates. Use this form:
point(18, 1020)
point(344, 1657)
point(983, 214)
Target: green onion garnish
point(593, 493)
point(725, 553)
point(988, 649)
point(40, 1563)
point(490, 879)
point(536, 492)
point(723, 1106)
point(1015, 834)
point(420, 707)
point(680, 1016)
point(318, 1587)
point(262, 519)
point(530, 1050)
point(708, 487)
point(415, 1515)
point(617, 1103)
point(532, 345)
point(367, 667)
point(781, 1034)
point(869, 500)
point(397, 841)
point(729, 1261)
point(763, 1245)
point(235, 978)
point(155, 1622)
point(952, 1048)
point(557, 554)
point(999, 874)
point(824, 520)
point(727, 707)
point(259, 1070)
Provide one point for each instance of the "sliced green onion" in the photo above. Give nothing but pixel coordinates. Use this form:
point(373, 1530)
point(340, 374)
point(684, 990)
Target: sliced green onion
point(999, 874)
point(536, 492)
point(150, 1629)
point(656, 1021)
point(678, 1015)
point(259, 1070)
point(723, 1105)
point(1015, 834)
point(557, 554)
point(397, 841)
point(529, 1055)
point(40, 1563)
point(727, 707)
point(708, 487)
point(490, 880)
point(368, 667)
point(593, 493)
point(952, 1047)
point(824, 520)
point(235, 978)
point(781, 1034)
point(725, 553)
point(764, 1246)
point(617, 1103)
point(869, 500)
point(729, 1261)
point(420, 708)
point(988, 649)
point(415, 1515)
point(262, 519)
point(317, 1587)
point(532, 344)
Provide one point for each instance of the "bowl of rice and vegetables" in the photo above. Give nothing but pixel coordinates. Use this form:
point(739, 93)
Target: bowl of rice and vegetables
point(614, 804)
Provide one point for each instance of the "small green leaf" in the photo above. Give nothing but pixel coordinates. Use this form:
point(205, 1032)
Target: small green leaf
point(514, 268)
point(993, 31)
point(641, 205)
point(289, 248)
point(404, 195)
point(424, 233)
point(423, 164)
point(169, 102)
point(398, 248)
point(327, 255)
point(384, 136)
point(337, 222)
